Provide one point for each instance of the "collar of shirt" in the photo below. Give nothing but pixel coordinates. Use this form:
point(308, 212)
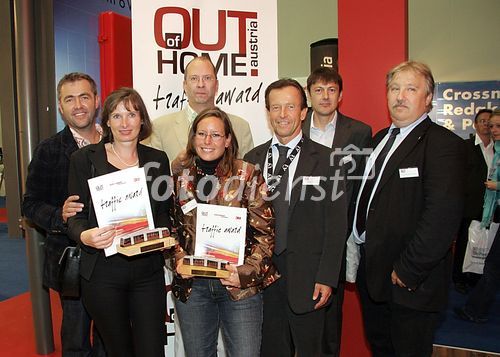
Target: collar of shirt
point(293, 165)
point(479, 141)
point(191, 114)
point(80, 140)
point(291, 144)
point(330, 126)
point(324, 137)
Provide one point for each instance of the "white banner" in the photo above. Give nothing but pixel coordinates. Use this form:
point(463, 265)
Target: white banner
point(240, 37)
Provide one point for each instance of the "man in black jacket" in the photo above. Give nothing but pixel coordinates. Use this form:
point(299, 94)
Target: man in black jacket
point(479, 160)
point(47, 205)
point(347, 137)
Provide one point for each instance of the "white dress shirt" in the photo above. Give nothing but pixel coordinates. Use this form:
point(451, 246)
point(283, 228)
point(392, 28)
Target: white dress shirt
point(323, 137)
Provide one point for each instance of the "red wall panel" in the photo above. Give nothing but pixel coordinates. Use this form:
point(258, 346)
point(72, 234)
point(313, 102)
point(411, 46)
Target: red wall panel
point(115, 43)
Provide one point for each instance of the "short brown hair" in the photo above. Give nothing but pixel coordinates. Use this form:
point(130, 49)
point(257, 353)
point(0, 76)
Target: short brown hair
point(325, 75)
point(415, 67)
point(73, 77)
point(286, 82)
point(130, 98)
point(231, 152)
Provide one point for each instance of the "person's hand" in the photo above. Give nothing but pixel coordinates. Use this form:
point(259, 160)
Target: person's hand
point(233, 279)
point(71, 207)
point(323, 292)
point(396, 281)
point(491, 185)
point(179, 162)
point(98, 238)
point(178, 264)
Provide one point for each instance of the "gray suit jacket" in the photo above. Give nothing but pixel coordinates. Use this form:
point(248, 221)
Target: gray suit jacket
point(170, 133)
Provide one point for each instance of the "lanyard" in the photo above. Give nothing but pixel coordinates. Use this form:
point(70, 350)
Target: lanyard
point(283, 169)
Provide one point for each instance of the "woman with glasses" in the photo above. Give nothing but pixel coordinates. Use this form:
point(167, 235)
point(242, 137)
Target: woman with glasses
point(125, 296)
point(214, 176)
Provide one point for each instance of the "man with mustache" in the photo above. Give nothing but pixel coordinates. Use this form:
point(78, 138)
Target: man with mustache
point(47, 205)
point(346, 136)
point(408, 212)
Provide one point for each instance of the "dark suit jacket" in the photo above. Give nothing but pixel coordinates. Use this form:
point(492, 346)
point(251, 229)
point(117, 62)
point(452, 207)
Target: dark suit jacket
point(350, 135)
point(81, 170)
point(46, 191)
point(477, 172)
point(412, 222)
point(317, 228)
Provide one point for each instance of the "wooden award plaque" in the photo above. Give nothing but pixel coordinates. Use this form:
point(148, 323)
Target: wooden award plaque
point(207, 267)
point(145, 241)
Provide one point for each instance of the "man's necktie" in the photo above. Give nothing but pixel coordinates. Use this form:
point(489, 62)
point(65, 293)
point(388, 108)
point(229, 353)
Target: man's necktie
point(370, 183)
point(280, 203)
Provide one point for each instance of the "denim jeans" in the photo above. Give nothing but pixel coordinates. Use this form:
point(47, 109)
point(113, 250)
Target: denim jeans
point(208, 307)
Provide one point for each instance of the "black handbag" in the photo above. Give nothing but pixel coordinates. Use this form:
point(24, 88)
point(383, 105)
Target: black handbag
point(70, 272)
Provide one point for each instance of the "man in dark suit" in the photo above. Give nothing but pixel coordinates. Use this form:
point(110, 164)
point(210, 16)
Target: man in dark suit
point(311, 225)
point(408, 212)
point(325, 125)
point(479, 159)
point(47, 205)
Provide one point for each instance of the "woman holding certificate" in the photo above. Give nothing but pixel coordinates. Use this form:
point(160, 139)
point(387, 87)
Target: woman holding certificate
point(213, 195)
point(125, 296)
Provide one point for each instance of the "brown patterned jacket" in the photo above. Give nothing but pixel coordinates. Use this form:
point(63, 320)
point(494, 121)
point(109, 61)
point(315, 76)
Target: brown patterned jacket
point(244, 187)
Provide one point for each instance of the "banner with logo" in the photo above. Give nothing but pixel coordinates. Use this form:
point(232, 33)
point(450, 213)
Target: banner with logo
point(456, 104)
point(239, 36)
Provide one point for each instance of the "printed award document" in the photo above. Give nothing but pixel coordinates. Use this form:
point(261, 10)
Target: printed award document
point(220, 232)
point(121, 199)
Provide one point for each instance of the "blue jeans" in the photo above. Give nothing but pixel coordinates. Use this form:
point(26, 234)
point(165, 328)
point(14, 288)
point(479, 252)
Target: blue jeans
point(210, 307)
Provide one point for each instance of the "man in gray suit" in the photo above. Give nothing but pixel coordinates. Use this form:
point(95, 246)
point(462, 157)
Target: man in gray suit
point(170, 132)
point(325, 125)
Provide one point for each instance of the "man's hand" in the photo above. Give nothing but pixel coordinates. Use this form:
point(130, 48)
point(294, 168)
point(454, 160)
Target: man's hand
point(322, 291)
point(179, 162)
point(71, 207)
point(396, 281)
point(233, 279)
point(491, 185)
point(98, 238)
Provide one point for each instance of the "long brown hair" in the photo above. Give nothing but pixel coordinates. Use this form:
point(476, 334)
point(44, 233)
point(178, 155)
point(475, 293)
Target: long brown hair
point(230, 153)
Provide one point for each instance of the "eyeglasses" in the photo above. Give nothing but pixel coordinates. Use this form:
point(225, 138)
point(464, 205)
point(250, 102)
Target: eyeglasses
point(214, 136)
point(195, 79)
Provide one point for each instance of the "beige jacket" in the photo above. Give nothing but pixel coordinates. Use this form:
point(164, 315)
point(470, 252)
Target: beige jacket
point(170, 133)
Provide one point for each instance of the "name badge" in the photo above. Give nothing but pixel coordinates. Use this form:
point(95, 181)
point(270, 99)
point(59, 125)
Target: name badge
point(408, 172)
point(310, 180)
point(188, 207)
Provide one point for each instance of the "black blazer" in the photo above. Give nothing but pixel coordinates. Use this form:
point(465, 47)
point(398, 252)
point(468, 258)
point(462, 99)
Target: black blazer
point(477, 173)
point(81, 170)
point(350, 136)
point(317, 228)
point(46, 191)
point(412, 221)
